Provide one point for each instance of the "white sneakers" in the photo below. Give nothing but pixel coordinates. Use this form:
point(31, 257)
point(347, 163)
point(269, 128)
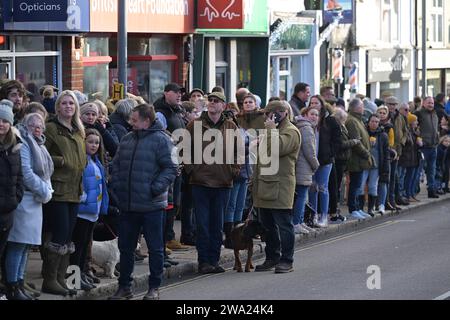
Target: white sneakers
point(300, 229)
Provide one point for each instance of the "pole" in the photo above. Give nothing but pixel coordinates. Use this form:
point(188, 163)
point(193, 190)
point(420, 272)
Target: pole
point(122, 44)
point(424, 49)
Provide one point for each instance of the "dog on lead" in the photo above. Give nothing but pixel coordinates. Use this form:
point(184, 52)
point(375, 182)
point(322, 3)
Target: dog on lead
point(106, 255)
point(242, 239)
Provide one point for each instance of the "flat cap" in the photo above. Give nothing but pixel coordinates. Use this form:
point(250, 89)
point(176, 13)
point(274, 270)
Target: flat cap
point(218, 95)
point(391, 100)
point(274, 106)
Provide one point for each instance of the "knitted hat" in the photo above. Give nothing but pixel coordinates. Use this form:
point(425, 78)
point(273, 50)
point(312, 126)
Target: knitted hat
point(89, 107)
point(411, 118)
point(6, 111)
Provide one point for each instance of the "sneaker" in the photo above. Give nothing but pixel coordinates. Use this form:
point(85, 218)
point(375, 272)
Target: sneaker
point(308, 228)
point(364, 214)
point(381, 210)
point(122, 294)
point(168, 251)
point(266, 266)
point(356, 215)
point(338, 218)
point(299, 229)
point(152, 294)
point(323, 223)
point(205, 268)
point(284, 267)
point(3, 297)
point(218, 269)
point(175, 245)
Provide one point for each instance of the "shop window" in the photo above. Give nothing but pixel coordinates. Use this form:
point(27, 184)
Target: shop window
point(96, 66)
point(4, 43)
point(95, 47)
point(161, 46)
point(34, 72)
point(35, 43)
point(243, 64)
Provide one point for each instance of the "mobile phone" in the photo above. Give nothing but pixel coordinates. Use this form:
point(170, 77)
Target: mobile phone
point(277, 117)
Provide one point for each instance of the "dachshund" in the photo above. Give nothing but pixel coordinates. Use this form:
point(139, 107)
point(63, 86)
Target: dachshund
point(242, 239)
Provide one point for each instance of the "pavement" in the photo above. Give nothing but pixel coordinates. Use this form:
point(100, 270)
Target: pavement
point(187, 266)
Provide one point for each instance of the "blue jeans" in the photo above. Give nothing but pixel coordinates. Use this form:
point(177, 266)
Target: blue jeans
point(299, 204)
point(130, 226)
point(16, 261)
point(237, 201)
point(410, 188)
point(280, 236)
point(382, 193)
point(393, 182)
point(187, 214)
point(319, 190)
point(401, 174)
point(353, 189)
point(416, 179)
point(430, 155)
point(371, 178)
point(210, 205)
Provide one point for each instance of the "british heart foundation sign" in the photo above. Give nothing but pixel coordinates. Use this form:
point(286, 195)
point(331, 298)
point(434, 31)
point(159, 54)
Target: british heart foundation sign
point(220, 14)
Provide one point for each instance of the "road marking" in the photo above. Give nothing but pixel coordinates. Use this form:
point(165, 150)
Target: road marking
point(443, 296)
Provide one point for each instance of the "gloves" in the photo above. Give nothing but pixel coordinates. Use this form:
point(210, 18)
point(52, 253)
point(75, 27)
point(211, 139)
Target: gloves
point(354, 142)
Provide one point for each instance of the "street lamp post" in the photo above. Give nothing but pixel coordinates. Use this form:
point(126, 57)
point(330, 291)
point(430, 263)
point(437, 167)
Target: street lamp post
point(424, 49)
point(122, 44)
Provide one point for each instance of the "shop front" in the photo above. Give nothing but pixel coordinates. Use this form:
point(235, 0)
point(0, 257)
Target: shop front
point(157, 33)
point(390, 72)
point(33, 39)
point(237, 54)
point(438, 72)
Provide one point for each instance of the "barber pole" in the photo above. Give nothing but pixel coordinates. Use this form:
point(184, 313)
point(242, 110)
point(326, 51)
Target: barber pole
point(353, 76)
point(338, 56)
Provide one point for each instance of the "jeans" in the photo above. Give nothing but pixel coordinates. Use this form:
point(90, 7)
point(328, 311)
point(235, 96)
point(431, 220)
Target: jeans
point(186, 213)
point(371, 178)
point(335, 195)
point(16, 261)
point(236, 203)
point(169, 233)
point(430, 155)
point(393, 182)
point(410, 188)
point(401, 174)
point(60, 219)
point(299, 204)
point(354, 187)
point(210, 205)
point(319, 190)
point(280, 235)
point(416, 178)
point(130, 226)
point(382, 193)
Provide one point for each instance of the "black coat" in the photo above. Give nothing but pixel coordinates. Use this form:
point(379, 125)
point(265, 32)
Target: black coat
point(410, 154)
point(345, 150)
point(11, 184)
point(329, 140)
point(385, 155)
point(119, 125)
point(173, 114)
point(109, 141)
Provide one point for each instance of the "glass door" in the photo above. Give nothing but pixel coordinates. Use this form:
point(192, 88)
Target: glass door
point(5, 70)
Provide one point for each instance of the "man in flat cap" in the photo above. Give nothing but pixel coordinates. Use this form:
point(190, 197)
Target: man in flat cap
point(273, 192)
point(211, 179)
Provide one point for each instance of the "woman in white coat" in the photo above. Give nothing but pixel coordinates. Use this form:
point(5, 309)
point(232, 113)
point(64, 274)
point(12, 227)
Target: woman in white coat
point(37, 168)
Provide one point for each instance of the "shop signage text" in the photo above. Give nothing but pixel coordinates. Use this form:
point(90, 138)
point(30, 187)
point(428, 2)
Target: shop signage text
point(49, 10)
point(389, 65)
point(220, 14)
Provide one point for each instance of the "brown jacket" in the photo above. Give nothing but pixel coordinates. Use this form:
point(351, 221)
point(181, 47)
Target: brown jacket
point(214, 175)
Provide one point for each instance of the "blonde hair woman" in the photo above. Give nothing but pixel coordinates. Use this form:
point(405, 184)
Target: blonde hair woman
point(65, 143)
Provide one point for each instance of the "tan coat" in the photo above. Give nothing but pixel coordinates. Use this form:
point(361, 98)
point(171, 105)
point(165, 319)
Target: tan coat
point(277, 191)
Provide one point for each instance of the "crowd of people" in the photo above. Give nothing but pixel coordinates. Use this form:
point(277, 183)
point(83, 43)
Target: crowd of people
point(74, 170)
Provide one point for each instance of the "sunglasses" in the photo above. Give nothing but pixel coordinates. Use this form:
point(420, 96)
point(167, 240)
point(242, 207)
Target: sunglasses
point(214, 100)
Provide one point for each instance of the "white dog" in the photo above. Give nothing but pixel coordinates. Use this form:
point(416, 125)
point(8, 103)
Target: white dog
point(106, 255)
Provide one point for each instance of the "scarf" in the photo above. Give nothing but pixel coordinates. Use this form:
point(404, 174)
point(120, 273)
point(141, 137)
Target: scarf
point(42, 163)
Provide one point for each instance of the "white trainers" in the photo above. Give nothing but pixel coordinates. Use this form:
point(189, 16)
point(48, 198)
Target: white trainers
point(305, 226)
point(299, 229)
point(323, 223)
point(381, 209)
point(3, 297)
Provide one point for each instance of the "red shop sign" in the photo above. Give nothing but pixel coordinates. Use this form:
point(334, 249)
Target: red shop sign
point(220, 14)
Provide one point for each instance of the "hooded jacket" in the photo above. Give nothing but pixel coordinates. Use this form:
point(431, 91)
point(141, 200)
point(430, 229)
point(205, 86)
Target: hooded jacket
point(307, 162)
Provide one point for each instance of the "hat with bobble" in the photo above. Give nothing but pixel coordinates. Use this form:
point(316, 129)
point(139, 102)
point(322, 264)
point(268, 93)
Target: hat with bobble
point(411, 118)
point(6, 111)
point(89, 107)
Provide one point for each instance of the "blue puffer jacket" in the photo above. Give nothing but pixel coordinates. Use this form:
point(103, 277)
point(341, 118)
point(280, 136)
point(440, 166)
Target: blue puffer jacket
point(88, 206)
point(143, 170)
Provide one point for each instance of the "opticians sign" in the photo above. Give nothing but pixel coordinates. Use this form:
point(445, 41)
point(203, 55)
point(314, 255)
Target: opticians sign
point(46, 15)
point(38, 10)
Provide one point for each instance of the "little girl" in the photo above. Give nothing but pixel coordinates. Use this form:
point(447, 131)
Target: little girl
point(442, 163)
point(94, 201)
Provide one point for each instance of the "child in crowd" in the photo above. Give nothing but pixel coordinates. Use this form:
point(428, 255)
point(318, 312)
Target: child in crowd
point(94, 201)
point(442, 163)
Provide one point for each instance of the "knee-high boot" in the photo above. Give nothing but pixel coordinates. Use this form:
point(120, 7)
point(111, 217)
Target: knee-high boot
point(53, 254)
point(62, 269)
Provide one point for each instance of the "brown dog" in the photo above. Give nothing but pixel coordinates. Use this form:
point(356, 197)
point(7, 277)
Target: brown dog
point(242, 239)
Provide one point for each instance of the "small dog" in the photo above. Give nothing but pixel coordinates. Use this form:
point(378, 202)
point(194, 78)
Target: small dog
point(242, 239)
point(106, 255)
